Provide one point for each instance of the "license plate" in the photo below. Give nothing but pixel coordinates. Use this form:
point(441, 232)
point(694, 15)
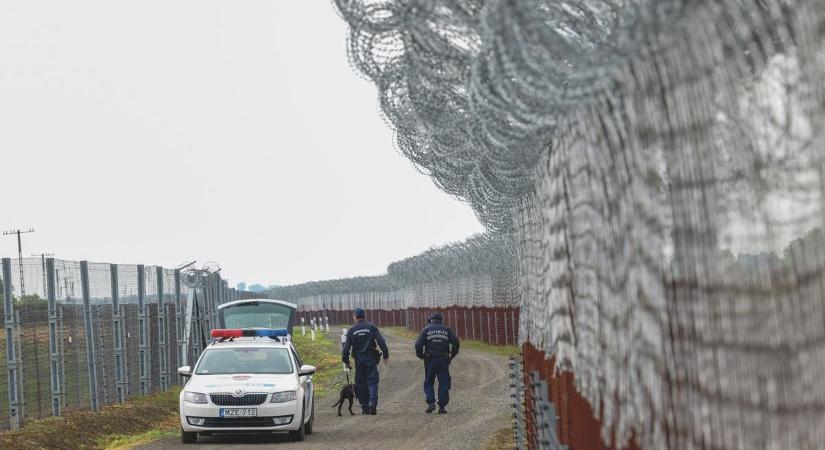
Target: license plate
point(239, 412)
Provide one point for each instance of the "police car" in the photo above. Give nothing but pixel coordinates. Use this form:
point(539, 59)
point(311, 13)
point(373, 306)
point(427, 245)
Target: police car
point(250, 378)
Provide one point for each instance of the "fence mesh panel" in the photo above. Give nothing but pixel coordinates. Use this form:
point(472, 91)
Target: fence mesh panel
point(66, 383)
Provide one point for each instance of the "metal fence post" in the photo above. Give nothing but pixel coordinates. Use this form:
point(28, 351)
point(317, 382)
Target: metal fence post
point(54, 357)
point(206, 312)
point(90, 341)
point(125, 334)
point(162, 338)
point(12, 364)
point(517, 393)
point(101, 352)
point(117, 336)
point(21, 367)
point(178, 323)
point(544, 415)
point(143, 326)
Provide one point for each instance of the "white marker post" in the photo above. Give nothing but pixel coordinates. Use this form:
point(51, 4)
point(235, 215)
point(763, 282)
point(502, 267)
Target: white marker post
point(326, 322)
point(312, 328)
point(303, 328)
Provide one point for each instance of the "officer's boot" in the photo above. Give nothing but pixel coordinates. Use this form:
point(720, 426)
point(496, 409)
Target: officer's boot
point(430, 407)
point(373, 410)
point(441, 410)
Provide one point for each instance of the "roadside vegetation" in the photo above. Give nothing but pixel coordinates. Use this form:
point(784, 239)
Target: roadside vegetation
point(502, 440)
point(325, 354)
point(116, 424)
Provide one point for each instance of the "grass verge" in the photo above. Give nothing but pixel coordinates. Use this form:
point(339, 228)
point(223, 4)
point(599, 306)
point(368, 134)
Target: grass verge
point(168, 428)
point(501, 440)
point(502, 350)
point(325, 354)
point(95, 430)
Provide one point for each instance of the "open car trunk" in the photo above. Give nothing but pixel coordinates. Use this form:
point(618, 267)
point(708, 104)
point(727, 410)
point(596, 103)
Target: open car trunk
point(257, 313)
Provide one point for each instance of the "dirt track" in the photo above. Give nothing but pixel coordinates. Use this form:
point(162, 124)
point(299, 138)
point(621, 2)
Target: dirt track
point(479, 405)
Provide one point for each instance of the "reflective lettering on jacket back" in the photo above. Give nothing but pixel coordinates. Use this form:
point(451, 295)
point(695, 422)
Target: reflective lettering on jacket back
point(437, 336)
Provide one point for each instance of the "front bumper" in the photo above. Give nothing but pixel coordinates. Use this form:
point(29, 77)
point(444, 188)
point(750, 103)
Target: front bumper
point(262, 422)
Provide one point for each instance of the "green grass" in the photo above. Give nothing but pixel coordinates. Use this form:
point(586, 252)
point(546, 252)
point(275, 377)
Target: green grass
point(168, 428)
point(325, 354)
point(502, 439)
point(96, 430)
point(501, 350)
point(401, 332)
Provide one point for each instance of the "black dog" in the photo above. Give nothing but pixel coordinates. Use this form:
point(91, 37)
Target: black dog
point(348, 392)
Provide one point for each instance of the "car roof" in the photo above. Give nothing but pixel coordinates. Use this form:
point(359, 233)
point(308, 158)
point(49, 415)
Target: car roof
point(260, 300)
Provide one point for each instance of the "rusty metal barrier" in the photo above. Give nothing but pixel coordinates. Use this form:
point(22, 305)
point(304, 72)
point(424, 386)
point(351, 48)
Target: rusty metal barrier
point(498, 326)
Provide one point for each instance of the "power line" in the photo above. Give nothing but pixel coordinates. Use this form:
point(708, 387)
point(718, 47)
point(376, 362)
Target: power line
point(20, 255)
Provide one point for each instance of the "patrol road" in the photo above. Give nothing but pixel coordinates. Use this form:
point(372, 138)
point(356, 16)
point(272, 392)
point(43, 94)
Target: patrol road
point(479, 405)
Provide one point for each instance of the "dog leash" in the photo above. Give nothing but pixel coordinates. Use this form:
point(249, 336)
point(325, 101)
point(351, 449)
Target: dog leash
point(351, 386)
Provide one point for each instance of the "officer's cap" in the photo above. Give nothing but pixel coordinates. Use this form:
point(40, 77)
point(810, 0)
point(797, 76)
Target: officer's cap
point(435, 316)
point(359, 313)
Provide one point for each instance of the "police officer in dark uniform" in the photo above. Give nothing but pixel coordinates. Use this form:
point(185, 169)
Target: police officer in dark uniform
point(437, 346)
point(361, 340)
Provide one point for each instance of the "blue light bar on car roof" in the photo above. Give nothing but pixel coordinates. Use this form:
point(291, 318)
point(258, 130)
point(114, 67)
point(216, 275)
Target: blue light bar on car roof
point(234, 333)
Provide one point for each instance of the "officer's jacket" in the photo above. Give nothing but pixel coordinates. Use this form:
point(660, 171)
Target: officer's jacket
point(361, 340)
point(436, 340)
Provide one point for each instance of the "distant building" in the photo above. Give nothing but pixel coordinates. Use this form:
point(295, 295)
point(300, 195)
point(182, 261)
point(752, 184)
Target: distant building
point(257, 288)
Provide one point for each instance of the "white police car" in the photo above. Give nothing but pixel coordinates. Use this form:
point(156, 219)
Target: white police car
point(249, 379)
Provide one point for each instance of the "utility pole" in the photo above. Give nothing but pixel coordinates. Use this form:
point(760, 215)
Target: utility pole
point(43, 257)
point(20, 256)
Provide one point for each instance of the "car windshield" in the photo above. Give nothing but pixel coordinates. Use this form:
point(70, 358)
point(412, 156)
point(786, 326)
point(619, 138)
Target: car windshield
point(256, 315)
point(223, 361)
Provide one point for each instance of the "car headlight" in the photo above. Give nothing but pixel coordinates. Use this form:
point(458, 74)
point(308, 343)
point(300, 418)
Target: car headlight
point(194, 397)
point(285, 396)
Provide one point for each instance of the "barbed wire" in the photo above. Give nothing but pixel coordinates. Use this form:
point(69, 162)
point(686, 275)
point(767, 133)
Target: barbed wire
point(659, 165)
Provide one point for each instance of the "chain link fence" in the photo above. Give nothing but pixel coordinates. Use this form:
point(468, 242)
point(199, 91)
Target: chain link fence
point(85, 335)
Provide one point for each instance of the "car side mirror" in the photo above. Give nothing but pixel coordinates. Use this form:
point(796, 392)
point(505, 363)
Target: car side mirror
point(306, 370)
point(185, 371)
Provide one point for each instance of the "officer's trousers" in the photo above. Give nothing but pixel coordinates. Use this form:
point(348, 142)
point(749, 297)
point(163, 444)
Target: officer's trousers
point(366, 381)
point(437, 367)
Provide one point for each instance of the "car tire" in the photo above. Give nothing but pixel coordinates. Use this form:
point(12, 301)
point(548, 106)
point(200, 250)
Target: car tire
point(311, 421)
point(299, 435)
point(188, 437)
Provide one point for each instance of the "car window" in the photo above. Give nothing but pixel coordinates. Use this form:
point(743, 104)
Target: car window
point(223, 361)
point(256, 315)
point(297, 358)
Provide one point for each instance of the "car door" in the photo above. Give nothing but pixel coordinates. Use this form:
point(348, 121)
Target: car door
point(306, 384)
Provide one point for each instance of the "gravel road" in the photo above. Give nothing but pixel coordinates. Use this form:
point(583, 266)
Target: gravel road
point(479, 406)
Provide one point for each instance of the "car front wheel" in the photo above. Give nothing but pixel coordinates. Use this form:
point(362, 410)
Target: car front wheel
point(188, 437)
point(311, 421)
point(299, 435)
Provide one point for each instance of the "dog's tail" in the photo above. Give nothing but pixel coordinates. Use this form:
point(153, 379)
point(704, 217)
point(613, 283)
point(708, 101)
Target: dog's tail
point(339, 402)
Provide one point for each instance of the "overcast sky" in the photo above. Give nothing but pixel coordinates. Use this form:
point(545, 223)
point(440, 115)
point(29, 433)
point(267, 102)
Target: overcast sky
point(159, 132)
